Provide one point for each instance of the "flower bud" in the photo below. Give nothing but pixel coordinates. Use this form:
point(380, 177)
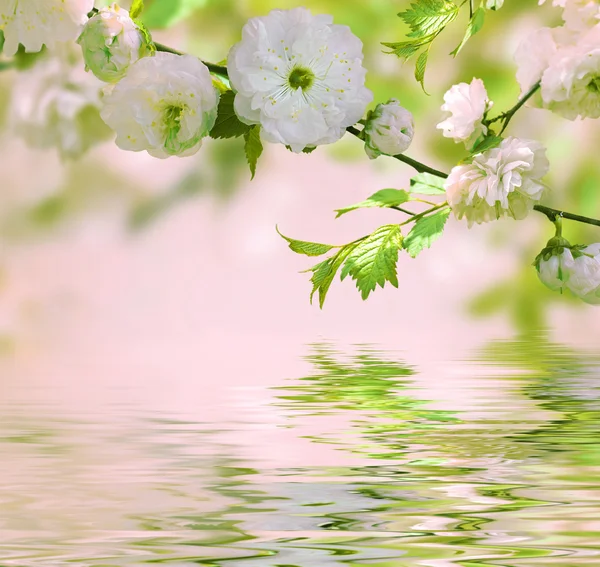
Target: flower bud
point(585, 278)
point(561, 266)
point(555, 264)
point(389, 130)
point(111, 41)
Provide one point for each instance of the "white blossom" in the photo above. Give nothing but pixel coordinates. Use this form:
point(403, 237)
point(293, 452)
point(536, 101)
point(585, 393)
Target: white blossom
point(555, 264)
point(534, 55)
point(36, 23)
point(466, 105)
point(571, 84)
point(568, 65)
point(111, 42)
point(165, 105)
point(300, 77)
point(579, 15)
point(57, 104)
point(389, 130)
point(584, 280)
point(501, 181)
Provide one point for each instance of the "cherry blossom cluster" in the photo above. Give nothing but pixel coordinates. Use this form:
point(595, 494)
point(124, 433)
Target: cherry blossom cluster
point(299, 78)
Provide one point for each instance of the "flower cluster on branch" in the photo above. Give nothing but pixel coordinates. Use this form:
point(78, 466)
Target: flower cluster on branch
point(298, 79)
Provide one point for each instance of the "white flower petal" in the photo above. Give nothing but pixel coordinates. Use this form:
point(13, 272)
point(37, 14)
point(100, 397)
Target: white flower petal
point(165, 104)
point(503, 181)
point(300, 77)
point(35, 23)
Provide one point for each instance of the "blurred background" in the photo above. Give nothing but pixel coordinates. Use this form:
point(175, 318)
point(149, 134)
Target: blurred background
point(167, 390)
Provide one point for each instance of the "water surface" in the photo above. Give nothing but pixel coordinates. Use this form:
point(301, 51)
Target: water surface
point(367, 460)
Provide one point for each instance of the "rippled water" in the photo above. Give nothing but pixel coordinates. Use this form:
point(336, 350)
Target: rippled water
point(366, 461)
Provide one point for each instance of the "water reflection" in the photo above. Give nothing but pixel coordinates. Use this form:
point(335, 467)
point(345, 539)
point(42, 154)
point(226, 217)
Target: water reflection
point(393, 473)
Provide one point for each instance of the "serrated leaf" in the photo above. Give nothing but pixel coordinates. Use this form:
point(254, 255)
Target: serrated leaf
point(306, 248)
point(427, 184)
point(384, 199)
point(426, 231)
point(373, 260)
point(137, 7)
point(429, 17)
point(426, 19)
point(228, 125)
point(324, 273)
point(474, 26)
point(253, 148)
point(420, 68)
point(406, 49)
point(486, 143)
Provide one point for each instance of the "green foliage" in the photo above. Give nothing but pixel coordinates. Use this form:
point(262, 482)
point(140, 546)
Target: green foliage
point(486, 143)
point(370, 261)
point(429, 17)
point(137, 7)
point(373, 260)
point(386, 198)
point(324, 272)
point(307, 248)
point(426, 20)
point(228, 125)
point(426, 231)
point(474, 26)
point(166, 13)
point(427, 184)
point(253, 147)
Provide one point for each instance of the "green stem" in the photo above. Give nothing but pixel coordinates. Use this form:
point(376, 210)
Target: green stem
point(4, 65)
point(420, 167)
point(425, 213)
point(216, 69)
point(405, 211)
point(554, 214)
point(507, 116)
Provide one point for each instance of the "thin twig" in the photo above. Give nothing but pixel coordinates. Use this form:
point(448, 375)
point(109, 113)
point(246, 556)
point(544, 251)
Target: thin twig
point(508, 115)
point(216, 69)
point(553, 214)
point(420, 167)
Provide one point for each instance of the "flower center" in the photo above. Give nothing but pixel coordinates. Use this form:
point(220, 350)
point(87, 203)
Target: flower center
point(594, 85)
point(301, 78)
point(172, 120)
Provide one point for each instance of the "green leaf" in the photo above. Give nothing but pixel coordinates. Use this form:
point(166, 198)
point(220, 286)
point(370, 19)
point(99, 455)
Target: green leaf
point(384, 198)
point(427, 184)
point(420, 67)
point(474, 26)
point(324, 273)
point(228, 125)
point(253, 147)
point(429, 17)
point(426, 19)
point(487, 143)
point(307, 248)
point(426, 231)
point(406, 49)
point(373, 260)
point(136, 9)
